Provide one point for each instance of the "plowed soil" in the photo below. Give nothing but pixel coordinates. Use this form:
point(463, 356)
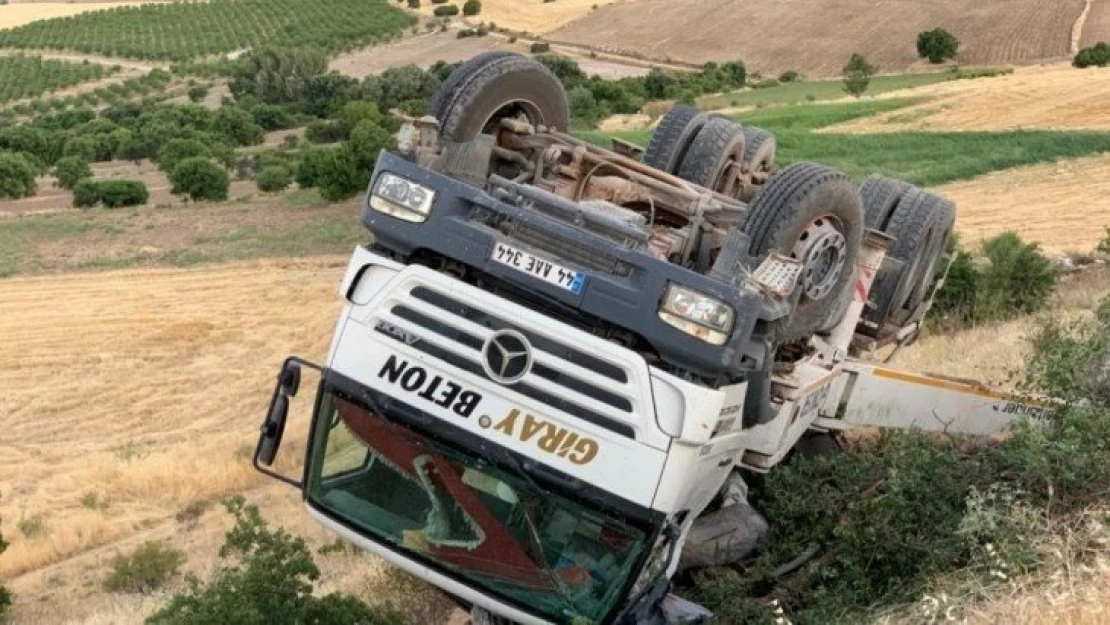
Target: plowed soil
point(1097, 26)
point(817, 38)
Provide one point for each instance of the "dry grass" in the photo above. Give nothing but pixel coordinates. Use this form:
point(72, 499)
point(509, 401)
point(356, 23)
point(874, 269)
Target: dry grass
point(995, 353)
point(1063, 206)
point(533, 16)
point(18, 14)
point(1056, 97)
point(1097, 26)
point(816, 38)
point(147, 388)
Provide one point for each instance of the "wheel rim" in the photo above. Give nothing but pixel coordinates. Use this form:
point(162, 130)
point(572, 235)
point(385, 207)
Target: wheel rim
point(822, 249)
point(513, 108)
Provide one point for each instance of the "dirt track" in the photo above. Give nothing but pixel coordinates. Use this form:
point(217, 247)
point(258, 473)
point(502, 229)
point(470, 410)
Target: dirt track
point(816, 38)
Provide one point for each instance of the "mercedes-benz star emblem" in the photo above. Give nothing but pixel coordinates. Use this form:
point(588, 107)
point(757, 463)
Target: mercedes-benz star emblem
point(506, 356)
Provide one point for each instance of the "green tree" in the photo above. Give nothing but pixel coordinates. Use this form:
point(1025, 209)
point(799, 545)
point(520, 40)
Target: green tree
point(272, 117)
point(273, 178)
point(472, 7)
point(445, 10)
point(116, 193)
point(201, 179)
point(86, 193)
point(265, 577)
point(1097, 55)
point(937, 45)
point(398, 85)
point(69, 170)
point(311, 163)
point(237, 126)
point(857, 74)
point(177, 150)
point(657, 83)
point(17, 175)
point(276, 75)
point(83, 146)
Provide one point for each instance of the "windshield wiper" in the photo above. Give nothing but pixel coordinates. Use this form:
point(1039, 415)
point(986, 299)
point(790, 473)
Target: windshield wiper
point(534, 533)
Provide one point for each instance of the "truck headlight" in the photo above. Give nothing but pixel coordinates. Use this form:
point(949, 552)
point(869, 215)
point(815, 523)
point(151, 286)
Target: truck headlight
point(401, 198)
point(698, 315)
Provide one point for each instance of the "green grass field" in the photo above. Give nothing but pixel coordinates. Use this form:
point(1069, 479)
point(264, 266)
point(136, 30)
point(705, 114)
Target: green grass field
point(818, 90)
point(924, 158)
point(23, 76)
point(188, 30)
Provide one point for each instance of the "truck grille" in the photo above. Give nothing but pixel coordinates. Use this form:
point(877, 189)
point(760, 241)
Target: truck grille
point(567, 250)
point(562, 376)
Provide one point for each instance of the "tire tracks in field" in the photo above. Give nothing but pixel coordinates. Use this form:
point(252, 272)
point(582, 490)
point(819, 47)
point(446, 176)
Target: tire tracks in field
point(1077, 28)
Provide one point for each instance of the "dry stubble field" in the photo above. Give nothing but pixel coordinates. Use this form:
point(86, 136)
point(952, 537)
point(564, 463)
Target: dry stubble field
point(130, 396)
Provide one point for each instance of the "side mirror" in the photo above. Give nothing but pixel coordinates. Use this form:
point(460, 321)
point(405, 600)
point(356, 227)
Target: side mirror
point(273, 427)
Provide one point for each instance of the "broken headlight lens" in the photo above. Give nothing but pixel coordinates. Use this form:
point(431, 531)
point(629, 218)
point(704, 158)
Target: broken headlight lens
point(698, 315)
point(401, 198)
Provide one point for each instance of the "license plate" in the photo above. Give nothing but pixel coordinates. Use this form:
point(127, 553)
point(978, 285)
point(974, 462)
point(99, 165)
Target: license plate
point(539, 268)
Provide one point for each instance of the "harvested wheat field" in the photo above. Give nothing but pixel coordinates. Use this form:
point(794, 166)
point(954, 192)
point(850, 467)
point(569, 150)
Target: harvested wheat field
point(1049, 97)
point(131, 403)
point(422, 50)
point(1064, 206)
point(532, 16)
point(20, 13)
point(816, 38)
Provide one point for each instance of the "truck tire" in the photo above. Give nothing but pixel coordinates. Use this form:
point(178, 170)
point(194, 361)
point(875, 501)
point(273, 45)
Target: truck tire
point(912, 223)
point(504, 87)
point(812, 213)
point(759, 149)
point(449, 87)
point(880, 195)
point(717, 150)
point(945, 220)
point(672, 137)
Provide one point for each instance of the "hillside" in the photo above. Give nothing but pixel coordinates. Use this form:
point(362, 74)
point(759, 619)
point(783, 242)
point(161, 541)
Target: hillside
point(817, 37)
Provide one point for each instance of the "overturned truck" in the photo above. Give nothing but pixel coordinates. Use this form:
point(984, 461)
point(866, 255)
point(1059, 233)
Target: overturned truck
point(555, 362)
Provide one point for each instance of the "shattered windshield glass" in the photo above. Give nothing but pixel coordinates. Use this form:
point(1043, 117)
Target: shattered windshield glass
point(471, 517)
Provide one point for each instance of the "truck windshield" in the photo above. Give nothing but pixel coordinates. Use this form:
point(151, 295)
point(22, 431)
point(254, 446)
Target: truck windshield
point(469, 517)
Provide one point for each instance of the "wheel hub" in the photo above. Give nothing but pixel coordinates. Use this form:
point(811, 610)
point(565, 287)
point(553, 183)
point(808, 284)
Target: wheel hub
point(822, 249)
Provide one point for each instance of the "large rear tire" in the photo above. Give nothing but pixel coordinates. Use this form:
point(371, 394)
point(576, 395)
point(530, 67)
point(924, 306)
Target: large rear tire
point(715, 153)
point(449, 88)
point(912, 223)
point(759, 149)
point(510, 86)
point(880, 195)
point(811, 213)
point(672, 137)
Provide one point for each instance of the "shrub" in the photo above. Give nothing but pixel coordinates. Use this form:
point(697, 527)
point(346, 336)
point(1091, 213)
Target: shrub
point(309, 166)
point(272, 117)
point(790, 76)
point(17, 175)
point(256, 561)
point(176, 150)
point(273, 179)
point(148, 568)
point(86, 194)
point(414, 4)
point(201, 179)
point(1097, 55)
point(32, 526)
point(540, 47)
point(197, 93)
point(937, 45)
point(445, 10)
point(237, 126)
point(1103, 246)
point(471, 7)
point(325, 131)
point(69, 170)
point(1018, 279)
point(117, 193)
point(5, 595)
point(857, 74)
point(657, 83)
